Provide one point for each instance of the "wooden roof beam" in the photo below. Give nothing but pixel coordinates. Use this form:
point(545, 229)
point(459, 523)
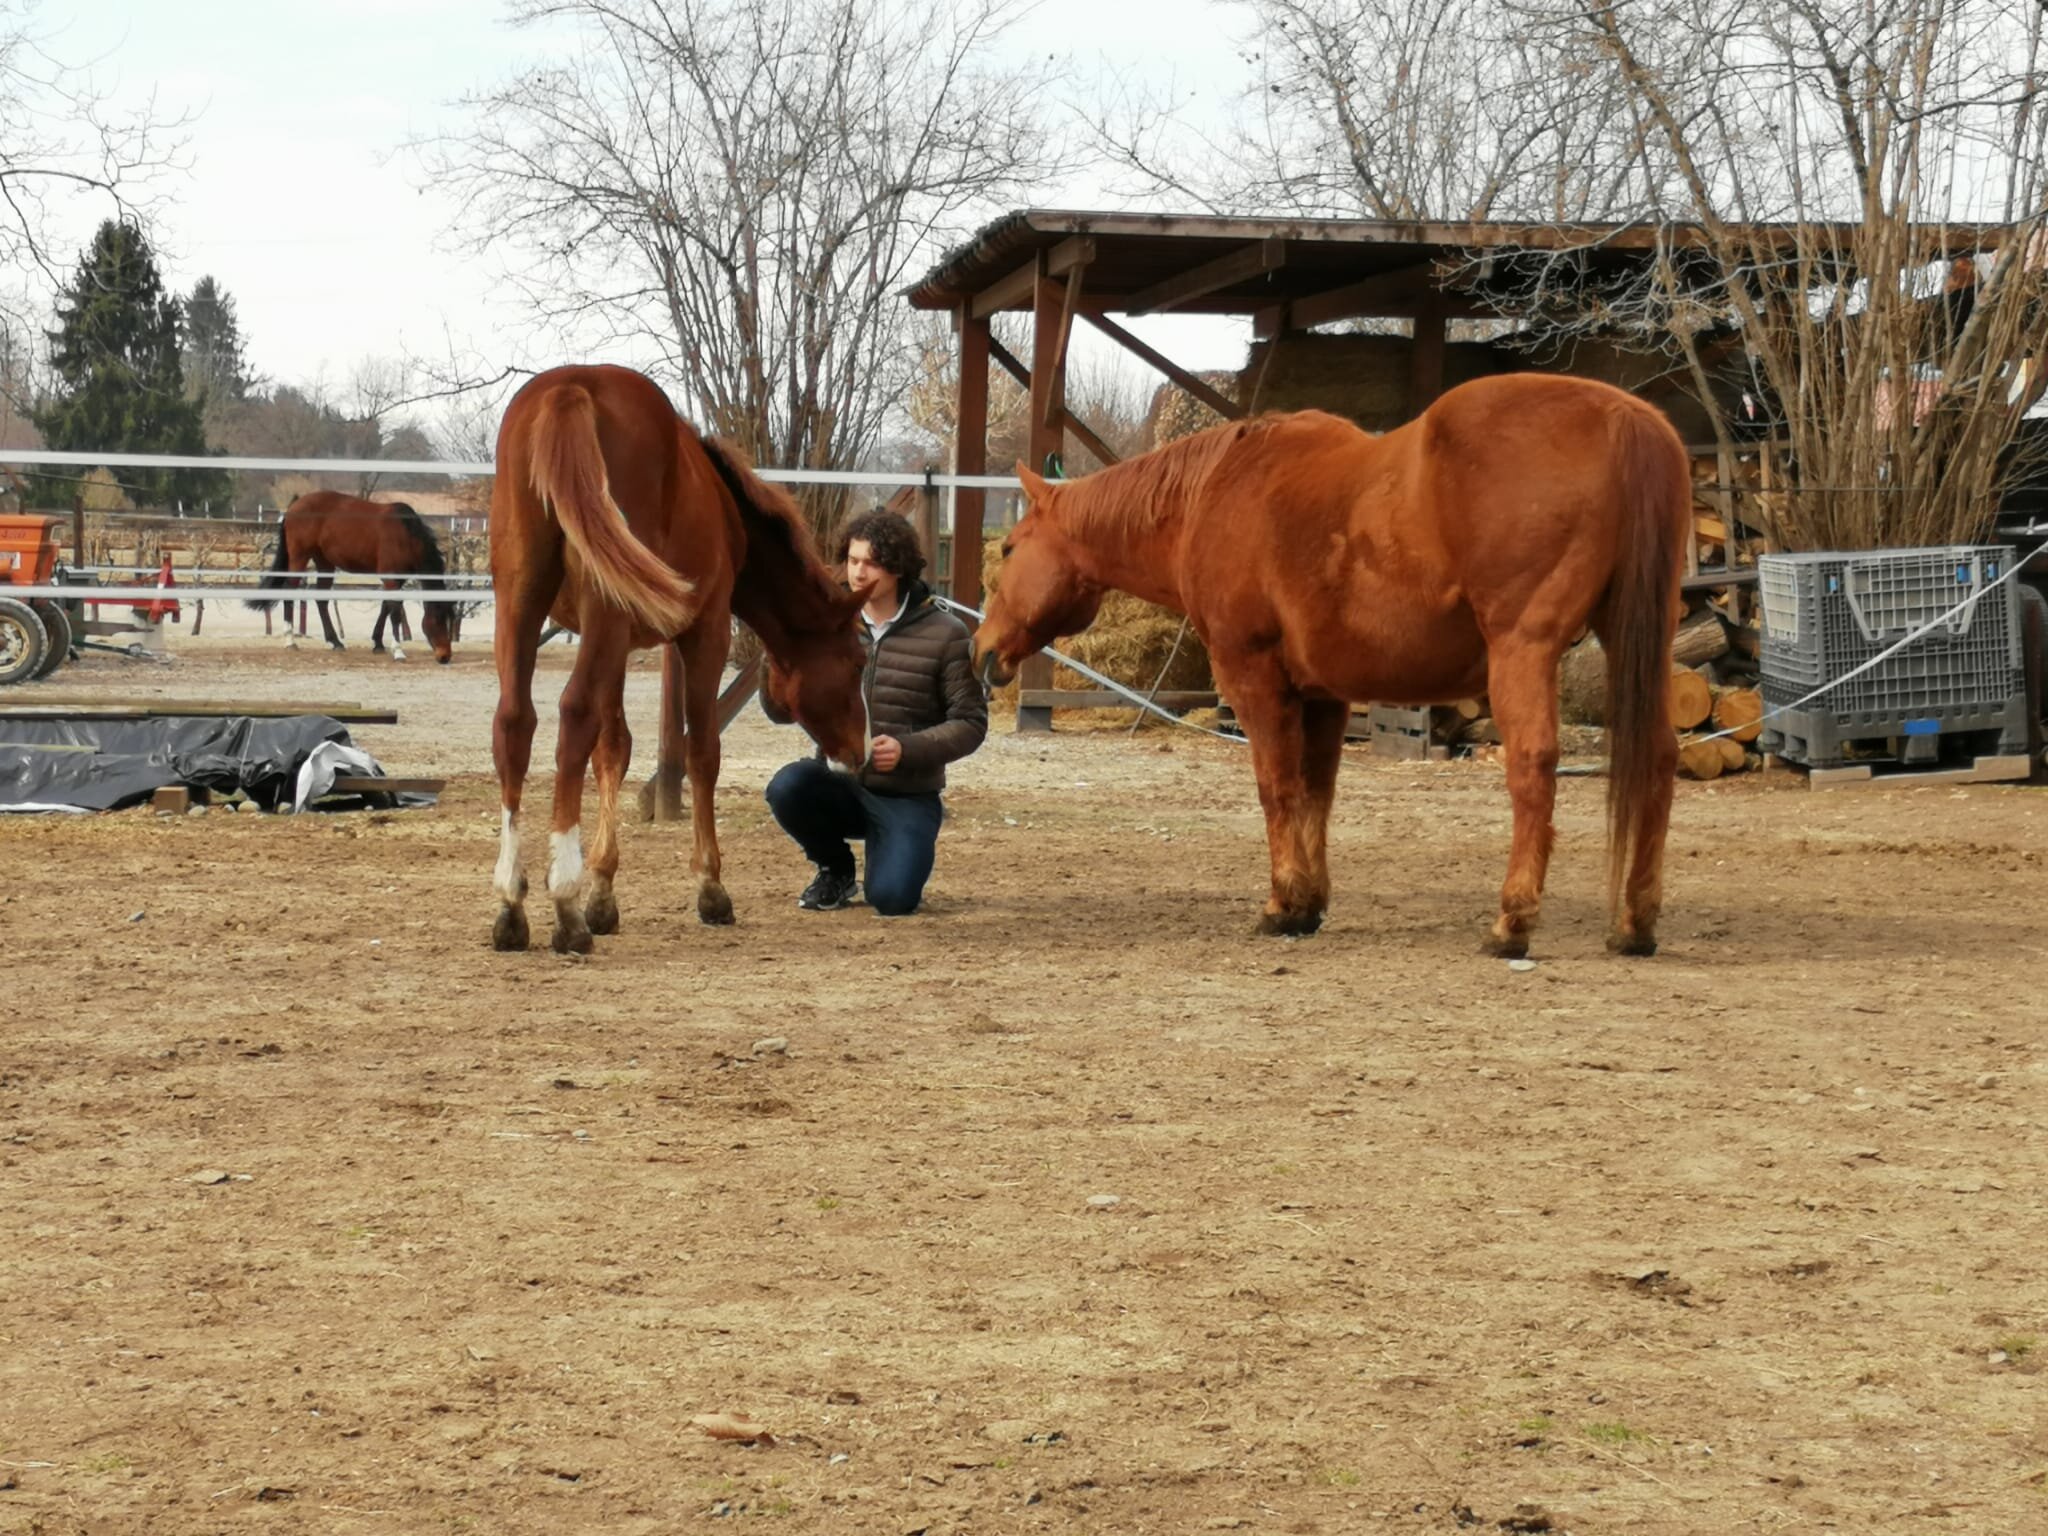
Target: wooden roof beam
point(1396, 292)
point(1222, 405)
point(1232, 267)
point(1011, 291)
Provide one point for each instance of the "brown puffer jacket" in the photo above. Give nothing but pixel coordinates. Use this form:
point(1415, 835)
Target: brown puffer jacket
point(921, 689)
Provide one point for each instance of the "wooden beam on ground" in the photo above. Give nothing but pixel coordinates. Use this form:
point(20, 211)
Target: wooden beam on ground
point(374, 784)
point(1222, 405)
point(1227, 270)
point(48, 708)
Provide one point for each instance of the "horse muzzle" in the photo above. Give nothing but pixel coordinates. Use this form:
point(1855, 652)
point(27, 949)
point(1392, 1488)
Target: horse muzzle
point(992, 672)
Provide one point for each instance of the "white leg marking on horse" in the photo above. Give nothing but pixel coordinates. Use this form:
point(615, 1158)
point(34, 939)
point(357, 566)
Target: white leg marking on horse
point(565, 863)
point(506, 880)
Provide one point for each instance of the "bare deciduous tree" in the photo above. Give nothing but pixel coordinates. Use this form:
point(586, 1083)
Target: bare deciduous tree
point(61, 139)
point(733, 192)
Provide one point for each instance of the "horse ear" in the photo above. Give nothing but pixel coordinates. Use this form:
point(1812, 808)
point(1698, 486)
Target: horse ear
point(1035, 486)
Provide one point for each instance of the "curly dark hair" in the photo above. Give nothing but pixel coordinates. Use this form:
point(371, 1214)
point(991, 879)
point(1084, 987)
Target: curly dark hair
point(891, 538)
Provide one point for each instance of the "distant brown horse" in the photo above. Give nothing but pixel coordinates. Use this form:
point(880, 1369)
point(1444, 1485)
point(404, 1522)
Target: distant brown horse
point(1458, 554)
point(327, 531)
point(612, 517)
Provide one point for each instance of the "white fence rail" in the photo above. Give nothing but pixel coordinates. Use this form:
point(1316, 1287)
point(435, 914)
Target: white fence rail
point(457, 467)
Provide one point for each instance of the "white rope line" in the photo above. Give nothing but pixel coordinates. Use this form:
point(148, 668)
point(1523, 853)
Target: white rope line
point(1099, 680)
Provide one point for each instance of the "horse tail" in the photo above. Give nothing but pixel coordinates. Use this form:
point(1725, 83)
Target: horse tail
point(1641, 614)
point(568, 473)
point(279, 562)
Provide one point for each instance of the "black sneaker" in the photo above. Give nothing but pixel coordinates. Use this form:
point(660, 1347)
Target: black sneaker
point(829, 892)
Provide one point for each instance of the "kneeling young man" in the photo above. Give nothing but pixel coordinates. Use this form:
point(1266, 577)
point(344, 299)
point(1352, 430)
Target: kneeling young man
point(925, 709)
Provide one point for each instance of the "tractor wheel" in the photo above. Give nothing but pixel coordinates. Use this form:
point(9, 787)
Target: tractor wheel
point(58, 623)
point(24, 642)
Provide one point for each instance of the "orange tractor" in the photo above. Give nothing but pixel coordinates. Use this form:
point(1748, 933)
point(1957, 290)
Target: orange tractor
point(36, 633)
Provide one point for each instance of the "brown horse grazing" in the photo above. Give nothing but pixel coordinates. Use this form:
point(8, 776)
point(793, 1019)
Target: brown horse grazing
point(327, 531)
point(612, 517)
point(1458, 554)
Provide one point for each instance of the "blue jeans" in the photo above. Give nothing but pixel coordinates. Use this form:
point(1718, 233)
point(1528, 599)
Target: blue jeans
point(822, 809)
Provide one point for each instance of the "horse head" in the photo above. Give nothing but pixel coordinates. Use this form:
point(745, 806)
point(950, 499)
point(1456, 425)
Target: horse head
point(1042, 592)
point(437, 623)
point(816, 681)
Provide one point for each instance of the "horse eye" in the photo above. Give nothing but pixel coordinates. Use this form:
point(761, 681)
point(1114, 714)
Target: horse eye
point(1006, 549)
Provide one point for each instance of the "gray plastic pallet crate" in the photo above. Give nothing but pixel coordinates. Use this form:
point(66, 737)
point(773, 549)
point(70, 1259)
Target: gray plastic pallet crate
point(1825, 615)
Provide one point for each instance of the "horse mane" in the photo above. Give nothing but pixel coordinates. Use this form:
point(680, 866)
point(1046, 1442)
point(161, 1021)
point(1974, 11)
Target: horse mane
point(1136, 495)
point(431, 561)
point(782, 564)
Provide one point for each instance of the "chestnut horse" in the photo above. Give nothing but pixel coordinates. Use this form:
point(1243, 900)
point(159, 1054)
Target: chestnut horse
point(1459, 554)
point(612, 517)
point(328, 531)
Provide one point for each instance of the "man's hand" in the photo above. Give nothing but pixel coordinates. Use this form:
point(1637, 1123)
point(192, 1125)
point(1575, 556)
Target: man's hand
point(888, 752)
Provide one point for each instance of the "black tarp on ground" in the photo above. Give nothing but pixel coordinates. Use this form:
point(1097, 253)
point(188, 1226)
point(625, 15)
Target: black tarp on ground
point(103, 765)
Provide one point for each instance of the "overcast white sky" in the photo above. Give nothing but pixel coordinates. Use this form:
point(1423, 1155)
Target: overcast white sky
point(300, 201)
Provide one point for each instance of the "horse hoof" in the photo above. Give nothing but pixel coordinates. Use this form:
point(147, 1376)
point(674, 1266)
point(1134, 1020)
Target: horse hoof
point(1289, 925)
point(509, 932)
point(1513, 946)
point(714, 907)
point(601, 913)
point(572, 936)
point(336, 645)
point(1639, 944)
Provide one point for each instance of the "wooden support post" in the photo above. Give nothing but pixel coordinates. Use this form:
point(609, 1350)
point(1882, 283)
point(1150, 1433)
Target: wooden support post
point(1426, 355)
point(1049, 314)
point(970, 457)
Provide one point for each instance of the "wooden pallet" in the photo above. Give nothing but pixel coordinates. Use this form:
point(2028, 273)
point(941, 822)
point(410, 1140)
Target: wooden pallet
point(1985, 770)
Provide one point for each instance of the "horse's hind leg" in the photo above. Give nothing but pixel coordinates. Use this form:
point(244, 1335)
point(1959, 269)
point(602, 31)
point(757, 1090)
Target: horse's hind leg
point(596, 678)
point(1522, 688)
point(1322, 753)
point(614, 753)
point(518, 635)
point(703, 655)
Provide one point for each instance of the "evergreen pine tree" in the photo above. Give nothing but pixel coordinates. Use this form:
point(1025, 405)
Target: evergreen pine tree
point(119, 379)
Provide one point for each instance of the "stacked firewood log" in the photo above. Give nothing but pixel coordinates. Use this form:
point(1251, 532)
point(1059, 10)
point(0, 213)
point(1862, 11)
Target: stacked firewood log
point(1713, 689)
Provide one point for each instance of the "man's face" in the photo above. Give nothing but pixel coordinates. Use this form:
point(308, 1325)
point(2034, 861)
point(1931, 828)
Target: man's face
point(862, 570)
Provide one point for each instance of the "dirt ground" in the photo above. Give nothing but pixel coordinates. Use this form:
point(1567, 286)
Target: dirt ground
point(1067, 1204)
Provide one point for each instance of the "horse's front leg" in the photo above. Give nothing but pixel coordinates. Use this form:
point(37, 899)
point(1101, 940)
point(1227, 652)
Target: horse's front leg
point(614, 753)
point(1271, 714)
point(1322, 753)
point(661, 797)
point(704, 652)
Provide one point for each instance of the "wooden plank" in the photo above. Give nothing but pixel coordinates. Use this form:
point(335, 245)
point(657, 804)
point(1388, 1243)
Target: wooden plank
point(1246, 262)
point(1056, 404)
point(745, 684)
point(1719, 576)
point(1006, 292)
point(1426, 354)
point(1104, 698)
point(176, 709)
point(1223, 406)
point(1984, 770)
point(1388, 293)
point(374, 784)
